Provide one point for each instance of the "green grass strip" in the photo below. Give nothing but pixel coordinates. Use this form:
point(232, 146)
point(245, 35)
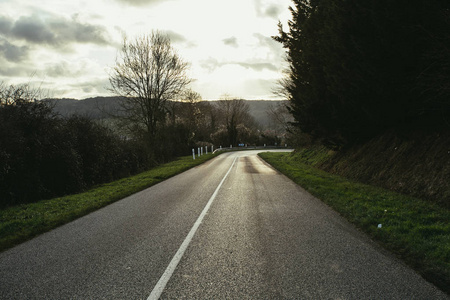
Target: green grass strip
point(415, 230)
point(23, 222)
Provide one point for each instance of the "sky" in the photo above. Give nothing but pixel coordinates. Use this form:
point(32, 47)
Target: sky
point(68, 47)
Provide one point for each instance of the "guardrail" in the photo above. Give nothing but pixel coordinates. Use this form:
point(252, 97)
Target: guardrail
point(231, 148)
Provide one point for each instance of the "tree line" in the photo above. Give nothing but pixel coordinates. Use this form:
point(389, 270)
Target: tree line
point(45, 155)
point(357, 68)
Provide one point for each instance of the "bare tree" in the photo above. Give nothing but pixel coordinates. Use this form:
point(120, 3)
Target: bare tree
point(148, 73)
point(185, 108)
point(13, 94)
point(280, 116)
point(235, 112)
point(193, 113)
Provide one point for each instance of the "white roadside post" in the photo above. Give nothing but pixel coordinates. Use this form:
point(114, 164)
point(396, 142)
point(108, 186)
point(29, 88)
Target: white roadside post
point(212, 149)
point(202, 150)
point(198, 152)
point(193, 153)
point(206, 150)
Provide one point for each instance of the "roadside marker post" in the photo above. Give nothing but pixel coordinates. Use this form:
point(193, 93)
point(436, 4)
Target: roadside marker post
point(193, 153)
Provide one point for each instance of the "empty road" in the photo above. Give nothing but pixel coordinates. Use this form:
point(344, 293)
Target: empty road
point(232, 228)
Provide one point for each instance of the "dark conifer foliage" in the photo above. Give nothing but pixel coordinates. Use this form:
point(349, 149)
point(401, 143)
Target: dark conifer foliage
point(359, 67)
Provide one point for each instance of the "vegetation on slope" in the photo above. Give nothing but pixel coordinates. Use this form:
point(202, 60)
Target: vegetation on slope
point(414, 163)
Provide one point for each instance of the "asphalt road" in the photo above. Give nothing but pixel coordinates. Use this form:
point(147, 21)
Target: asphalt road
point(248, 233)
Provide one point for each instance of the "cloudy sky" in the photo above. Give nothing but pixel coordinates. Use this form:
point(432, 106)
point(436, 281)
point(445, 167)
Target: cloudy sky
point(67, 47)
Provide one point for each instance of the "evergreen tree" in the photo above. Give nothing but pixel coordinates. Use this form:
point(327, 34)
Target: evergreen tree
point(359, 67)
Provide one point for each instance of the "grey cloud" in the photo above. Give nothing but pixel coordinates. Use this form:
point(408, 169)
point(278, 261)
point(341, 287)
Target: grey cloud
point(267, 41)
point(95, 87)
point(67, 69)
point(12, 52)
point(271, 11)
point(231, 41)
point(211, 64)
point(258, 66)
point(140, 2)
point(32, 30)
point(175, 37)
point(54, 31)
point(5, 25)
point(12, 71)
point(58, 70)
point(82, 33)
point(9, 69)
point(61, 69)
point(92, 88)
point(89, 89)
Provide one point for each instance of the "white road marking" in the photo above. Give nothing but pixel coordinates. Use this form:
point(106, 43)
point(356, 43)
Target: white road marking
point(159, 287)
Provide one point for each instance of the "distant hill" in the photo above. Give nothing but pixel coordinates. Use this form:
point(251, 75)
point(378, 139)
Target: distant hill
point(100, 107)
point(94, 108)
point(259, 109)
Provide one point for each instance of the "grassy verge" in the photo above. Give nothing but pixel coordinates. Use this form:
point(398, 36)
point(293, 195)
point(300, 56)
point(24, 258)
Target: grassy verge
point(22, 222)
point(413, 229)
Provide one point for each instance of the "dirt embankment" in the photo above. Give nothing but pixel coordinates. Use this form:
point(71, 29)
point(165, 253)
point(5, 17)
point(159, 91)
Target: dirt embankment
point(414, 163)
